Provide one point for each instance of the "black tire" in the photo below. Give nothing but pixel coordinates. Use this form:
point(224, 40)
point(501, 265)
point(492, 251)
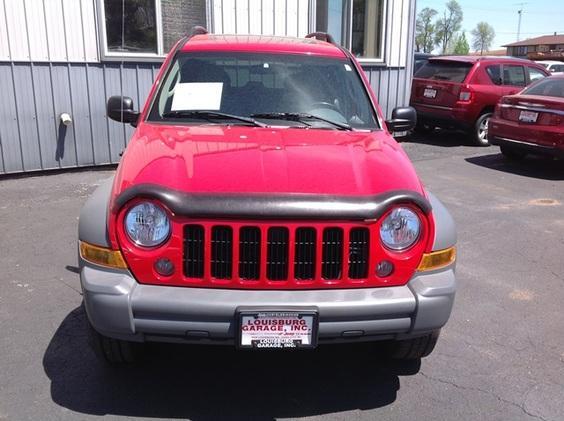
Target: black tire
point(411, 349)
point(480, 133)
point(423, 127)
point(114, 351)
point(512, 154)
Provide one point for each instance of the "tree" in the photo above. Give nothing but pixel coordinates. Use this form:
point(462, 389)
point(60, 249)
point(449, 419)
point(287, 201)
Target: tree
point(461, 46)
point(482, 37)
point(425, 30)
point(448, 25)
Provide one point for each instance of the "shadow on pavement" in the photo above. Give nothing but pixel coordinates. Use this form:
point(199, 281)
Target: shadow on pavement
point(445, 138)
point(531, 166)
point(205, 383)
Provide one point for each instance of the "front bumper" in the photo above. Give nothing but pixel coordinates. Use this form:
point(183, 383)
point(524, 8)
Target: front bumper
point(119, 307)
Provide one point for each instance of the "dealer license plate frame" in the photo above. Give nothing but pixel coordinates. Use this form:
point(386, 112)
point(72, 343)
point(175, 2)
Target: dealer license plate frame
point(312, 313)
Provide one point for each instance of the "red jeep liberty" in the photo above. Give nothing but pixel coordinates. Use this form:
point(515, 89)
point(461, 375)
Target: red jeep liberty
point(263, 203)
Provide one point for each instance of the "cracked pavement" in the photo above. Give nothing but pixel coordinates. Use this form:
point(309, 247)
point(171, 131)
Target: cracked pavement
point(500, 357)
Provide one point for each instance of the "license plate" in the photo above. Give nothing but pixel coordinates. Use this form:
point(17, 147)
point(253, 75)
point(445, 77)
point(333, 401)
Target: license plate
point(278, 329)
point(528, 116)
point(430, 93)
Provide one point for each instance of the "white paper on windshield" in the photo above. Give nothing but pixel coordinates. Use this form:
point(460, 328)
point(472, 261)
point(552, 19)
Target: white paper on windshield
point(197, 96)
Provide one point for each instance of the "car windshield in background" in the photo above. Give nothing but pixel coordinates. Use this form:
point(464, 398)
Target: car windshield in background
point(276, 89)
point(552, 86)
point(450, 71)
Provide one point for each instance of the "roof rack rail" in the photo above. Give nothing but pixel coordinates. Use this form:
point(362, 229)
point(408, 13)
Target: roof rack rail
point(197, 30)
point(322, 36)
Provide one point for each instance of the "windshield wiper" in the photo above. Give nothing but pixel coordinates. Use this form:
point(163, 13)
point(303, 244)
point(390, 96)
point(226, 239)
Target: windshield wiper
point(300, 117)
point(211, 115)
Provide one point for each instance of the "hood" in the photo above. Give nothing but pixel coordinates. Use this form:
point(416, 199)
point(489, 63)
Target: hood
point(242, 159)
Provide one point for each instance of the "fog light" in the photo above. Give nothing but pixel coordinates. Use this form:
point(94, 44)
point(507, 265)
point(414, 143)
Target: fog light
point(384, 268)
point(164, 267)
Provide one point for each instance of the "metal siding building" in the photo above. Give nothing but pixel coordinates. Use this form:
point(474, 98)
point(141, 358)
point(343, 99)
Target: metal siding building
point(52, 62)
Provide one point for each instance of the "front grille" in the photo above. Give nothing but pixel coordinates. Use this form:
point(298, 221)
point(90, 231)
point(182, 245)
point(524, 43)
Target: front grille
point(242, 254)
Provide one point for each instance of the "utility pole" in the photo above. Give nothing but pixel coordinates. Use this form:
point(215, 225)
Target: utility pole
point(520, 13)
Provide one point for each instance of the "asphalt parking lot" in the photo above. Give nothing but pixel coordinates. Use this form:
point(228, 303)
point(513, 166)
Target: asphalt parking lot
point(501, 357)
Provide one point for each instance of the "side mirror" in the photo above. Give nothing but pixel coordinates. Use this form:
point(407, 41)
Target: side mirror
point(120, 108)
point(403, 119)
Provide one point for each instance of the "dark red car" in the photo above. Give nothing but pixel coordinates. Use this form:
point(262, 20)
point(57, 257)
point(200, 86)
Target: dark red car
point(532, 121)
point(461, 91)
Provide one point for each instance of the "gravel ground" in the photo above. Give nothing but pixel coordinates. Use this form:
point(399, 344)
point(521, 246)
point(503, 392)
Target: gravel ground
point(500, 357)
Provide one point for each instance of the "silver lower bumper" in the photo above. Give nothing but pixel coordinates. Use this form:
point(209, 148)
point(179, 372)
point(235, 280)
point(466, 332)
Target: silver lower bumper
point(119, 307)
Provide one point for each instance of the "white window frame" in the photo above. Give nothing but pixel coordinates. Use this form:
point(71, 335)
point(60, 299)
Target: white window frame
point(106, 55)
point(383, 32)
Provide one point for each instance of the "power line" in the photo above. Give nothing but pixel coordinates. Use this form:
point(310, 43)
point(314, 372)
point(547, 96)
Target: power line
point(481, 9)
point(531, 33)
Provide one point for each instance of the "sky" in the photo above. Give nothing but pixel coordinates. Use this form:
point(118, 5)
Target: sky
point(539, 17)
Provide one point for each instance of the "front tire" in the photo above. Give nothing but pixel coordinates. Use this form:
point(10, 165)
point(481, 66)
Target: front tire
point(114, 351)
point(411, 349)
point(480, 135)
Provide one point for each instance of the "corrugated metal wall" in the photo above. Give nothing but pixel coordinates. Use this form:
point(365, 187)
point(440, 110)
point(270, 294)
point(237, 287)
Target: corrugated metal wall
point(392, 83)
point(270, 17)
point(60, 74)
point(35, 94)
point(48, 30)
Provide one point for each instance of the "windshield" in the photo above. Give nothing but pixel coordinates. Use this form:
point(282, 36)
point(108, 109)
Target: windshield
point(316, 91)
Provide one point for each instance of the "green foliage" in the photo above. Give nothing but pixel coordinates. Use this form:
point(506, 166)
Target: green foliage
point(448, 25)
point(482, 37)
point(461, 46)
point(425, 30)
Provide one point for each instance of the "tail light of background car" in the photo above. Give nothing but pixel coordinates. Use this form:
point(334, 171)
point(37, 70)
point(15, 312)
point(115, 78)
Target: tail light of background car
point(466, 95)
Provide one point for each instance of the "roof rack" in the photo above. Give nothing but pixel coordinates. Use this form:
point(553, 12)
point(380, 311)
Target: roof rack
point(197, 30)
point(322, 36)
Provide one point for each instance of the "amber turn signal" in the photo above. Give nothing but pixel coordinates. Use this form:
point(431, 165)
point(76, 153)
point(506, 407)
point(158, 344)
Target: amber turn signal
point(102, 256)
point(437, 259)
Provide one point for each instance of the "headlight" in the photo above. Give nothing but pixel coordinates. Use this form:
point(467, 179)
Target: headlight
point(147, 225)
point(400, 230)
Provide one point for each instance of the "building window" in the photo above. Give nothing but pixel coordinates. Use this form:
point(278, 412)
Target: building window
point(130, 28)
point(355, 24)
point(145, 29)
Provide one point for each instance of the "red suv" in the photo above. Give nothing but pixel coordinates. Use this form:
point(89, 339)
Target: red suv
point(461, 92)
point(263, 203)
